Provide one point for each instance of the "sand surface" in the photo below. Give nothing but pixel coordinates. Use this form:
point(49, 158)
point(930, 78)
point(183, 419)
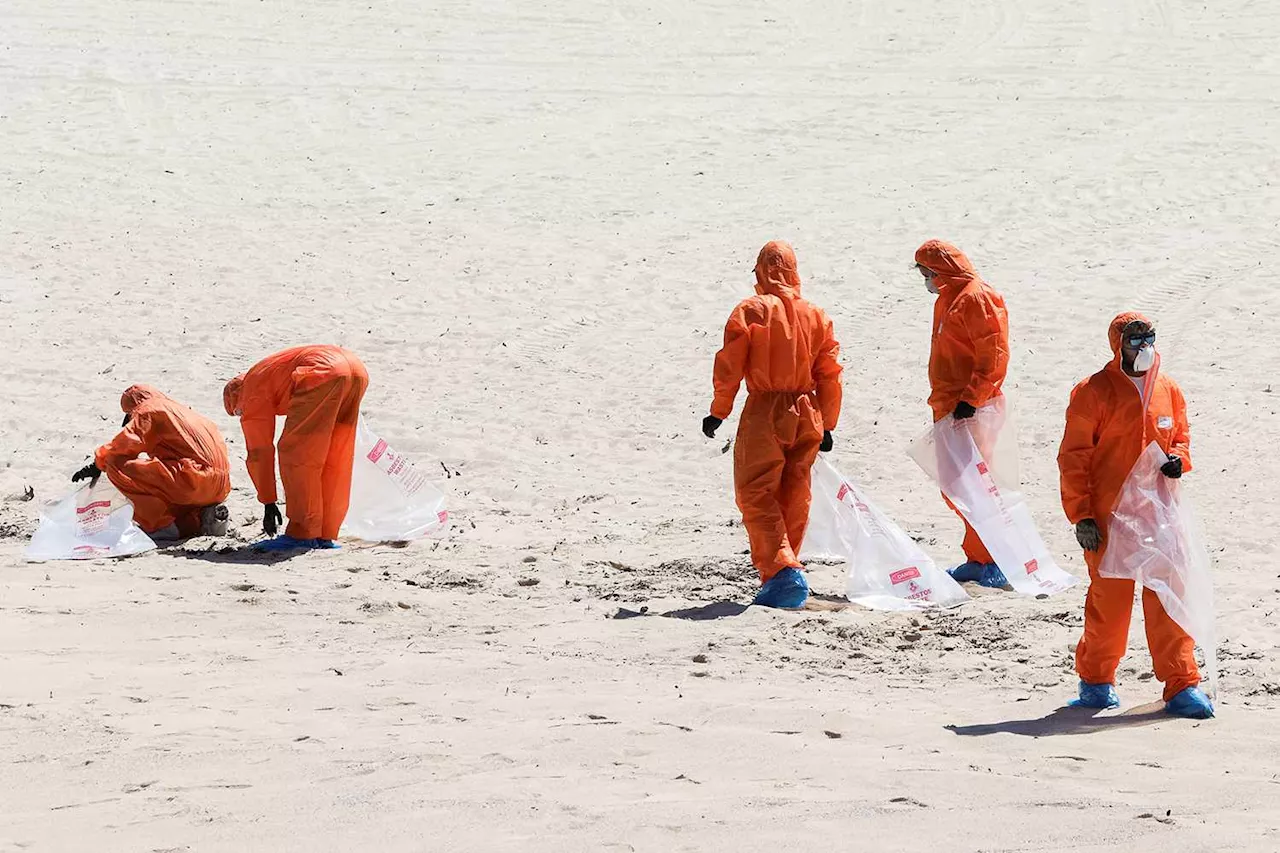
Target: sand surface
point(531, 220)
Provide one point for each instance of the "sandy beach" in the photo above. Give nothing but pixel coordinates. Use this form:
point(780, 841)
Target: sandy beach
point(530, 221)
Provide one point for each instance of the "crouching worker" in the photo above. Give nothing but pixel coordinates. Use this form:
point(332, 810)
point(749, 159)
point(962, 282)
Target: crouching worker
point(170, 462)
point(785, 348)
point(1112, 418)
point(318, 390)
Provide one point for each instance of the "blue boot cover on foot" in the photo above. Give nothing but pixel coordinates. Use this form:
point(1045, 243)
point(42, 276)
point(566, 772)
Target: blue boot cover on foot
point(966, 572)
point(992, 577)
point(285, 543)
point(787, 588)
point(1190, 703)
point(1096, 696)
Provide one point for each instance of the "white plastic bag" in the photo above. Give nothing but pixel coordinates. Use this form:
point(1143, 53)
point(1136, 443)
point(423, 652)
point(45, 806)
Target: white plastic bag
point(984, 488)
point(94, 522)
point(391, 498)
point(1154, 539)
point(887, 570)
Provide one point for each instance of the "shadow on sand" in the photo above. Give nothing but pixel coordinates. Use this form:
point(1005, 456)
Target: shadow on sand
point(240, 554)
point(705, 613)
point(728, 609)
point(1069, 721)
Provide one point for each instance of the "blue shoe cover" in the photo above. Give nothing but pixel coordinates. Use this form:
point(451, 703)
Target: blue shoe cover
point(1096, 696)
point(327, 545)
point(992, 577)
point(1190, 703)
point(285, 543)
point(966, 572)
point(787, 588)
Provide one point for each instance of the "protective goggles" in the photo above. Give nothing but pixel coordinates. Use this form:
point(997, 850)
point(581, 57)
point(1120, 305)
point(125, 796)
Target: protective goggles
point(1140, 341)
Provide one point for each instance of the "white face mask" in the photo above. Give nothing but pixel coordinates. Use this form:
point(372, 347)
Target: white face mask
point(930, 286)
point(1144, 360)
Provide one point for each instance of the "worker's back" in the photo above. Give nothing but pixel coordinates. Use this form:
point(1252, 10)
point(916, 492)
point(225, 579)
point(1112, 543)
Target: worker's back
point(174, 432)
point(786, 335)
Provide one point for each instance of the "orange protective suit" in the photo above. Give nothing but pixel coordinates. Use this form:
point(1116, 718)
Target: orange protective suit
point(785, 348)
point(1109, 424)
point(318, 389)
point(968, 348)
point(186, 468)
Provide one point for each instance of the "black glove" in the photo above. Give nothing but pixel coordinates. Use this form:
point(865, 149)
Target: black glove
point(1173, 468)
point(709, 425)
point(1088, 534)
point(90, 472)
point(963, 411)
point(271, 519)
point(827, 442)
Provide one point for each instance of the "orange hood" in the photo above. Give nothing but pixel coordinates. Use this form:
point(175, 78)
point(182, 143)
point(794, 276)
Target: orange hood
point(950, 266)
point(776, 272)
point(135, 395)
point(231, 394)
point(1116, 330)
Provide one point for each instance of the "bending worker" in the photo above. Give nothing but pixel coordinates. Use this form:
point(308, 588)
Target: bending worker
point(170, 462)
point(1113, 416)
point(318, 389)
point(785, 348)
point(968, 360)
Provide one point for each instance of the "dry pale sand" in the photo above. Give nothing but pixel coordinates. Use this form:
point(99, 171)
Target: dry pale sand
point(531, 219)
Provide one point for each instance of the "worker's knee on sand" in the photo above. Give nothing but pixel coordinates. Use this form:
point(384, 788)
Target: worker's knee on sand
point(168, 533)
point(214, 520)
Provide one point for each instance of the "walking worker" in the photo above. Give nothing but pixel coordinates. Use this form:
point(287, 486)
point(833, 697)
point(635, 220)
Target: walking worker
point(318, 390)
point(968, 360)
point(785, 348)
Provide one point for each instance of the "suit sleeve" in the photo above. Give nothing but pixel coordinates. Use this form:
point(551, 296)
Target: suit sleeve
point(988, 325)
point(1181, 444)
point(1075, 456)
point(826, 373)
point(731, 360)
point(131, 441)
point(260, 442)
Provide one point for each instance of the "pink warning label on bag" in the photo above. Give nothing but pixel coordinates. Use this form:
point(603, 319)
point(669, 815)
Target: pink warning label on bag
point(1032, 566)
point(844, 490)
point(982, 468)
point(378, 449)
point(81, 510)
point(906, 574)
point(443, 515)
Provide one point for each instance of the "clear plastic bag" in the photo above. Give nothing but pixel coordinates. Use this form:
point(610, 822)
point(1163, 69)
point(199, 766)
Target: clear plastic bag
point(887, 570)
point(94, 522)
point(974, 463)
point(1154, 540)
point(391, 498)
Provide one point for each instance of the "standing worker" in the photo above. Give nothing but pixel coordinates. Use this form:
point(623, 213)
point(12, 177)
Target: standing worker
point(177, 490)
point(968, 360)
point(785, 348)
point(1112, 418)
point(318, 389)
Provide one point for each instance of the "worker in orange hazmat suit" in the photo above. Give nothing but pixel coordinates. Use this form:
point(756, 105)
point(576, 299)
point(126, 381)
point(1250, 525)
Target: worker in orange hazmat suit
point(1112, 417)
point(785, 348)
point(170, 462)
point(968, 360)
point(318, 389)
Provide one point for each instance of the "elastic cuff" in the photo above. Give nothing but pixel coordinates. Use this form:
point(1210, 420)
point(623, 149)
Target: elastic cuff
point(1176, 686)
